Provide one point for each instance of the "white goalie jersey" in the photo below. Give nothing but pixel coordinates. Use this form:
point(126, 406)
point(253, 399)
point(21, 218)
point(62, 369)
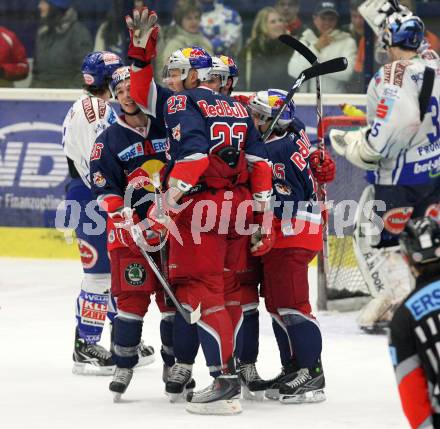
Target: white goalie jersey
point(407, 149)
point(85, 121)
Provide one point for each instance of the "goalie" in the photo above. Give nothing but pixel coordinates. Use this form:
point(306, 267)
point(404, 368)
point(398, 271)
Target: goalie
point(400, 149)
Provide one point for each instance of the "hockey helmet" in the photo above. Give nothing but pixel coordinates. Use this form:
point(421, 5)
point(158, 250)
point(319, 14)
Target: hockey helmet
point(420, 241)
point(233, 68)
point(404, 30)
point(118, 76)
point(221, 69)
point(267, 103)
point(194, 57)
point(98, 67)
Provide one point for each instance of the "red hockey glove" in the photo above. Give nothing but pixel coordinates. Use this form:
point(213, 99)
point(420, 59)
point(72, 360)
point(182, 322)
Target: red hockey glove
point(131, 233)
point(161, 222)
point(143, 34)
point(243, 99)
point(324, 170)
point(263, 239)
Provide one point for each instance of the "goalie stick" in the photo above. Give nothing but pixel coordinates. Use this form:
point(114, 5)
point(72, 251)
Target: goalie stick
point(331, 66)
point(303, 50)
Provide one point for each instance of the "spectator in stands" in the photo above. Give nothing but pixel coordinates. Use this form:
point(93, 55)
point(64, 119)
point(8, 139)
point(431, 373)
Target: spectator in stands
point(327, 42)
point(222, 26)
point(62, 42)
point(357, 28)
point(263, 61)
point(186, 32)
point(289, 9)
point(13, 62)
point(112, 34)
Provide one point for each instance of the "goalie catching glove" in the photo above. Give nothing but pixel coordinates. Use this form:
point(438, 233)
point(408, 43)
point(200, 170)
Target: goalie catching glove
point(131, 232)
point(323, 167)
point(354, 146)
point(143, 34)
point(263, 239)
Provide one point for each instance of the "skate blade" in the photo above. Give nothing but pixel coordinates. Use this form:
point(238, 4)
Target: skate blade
point(305, 398)
point(250, 395)
point(178, 397)
point(144, 361)
point(272, 394)
point(217, 408)
point(377, 329)
point(117, 397)
point(88, 369)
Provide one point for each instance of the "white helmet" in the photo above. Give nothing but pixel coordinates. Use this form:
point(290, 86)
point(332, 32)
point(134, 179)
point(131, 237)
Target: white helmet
point(186, 59)
point(267, 103)
point(220, 69)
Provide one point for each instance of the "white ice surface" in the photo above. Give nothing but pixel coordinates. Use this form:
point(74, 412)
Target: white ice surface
point(38, 390)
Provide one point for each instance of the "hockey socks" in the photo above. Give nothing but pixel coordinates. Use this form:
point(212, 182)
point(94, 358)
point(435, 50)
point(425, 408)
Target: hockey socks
point(283, 340)
point(247, 339)
point(127, 332)
point(166, 336)
point(186, 340)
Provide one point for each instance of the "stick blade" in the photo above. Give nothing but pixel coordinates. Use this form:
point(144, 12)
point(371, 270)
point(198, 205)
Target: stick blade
point(195, 315)
point(296, 45)
point(331, 66)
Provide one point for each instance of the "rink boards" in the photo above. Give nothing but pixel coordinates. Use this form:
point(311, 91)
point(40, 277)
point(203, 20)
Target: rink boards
point(34, 174)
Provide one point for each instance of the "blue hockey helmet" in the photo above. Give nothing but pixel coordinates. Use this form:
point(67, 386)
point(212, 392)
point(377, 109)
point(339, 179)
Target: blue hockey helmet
point(267, 103)
point(62, 4)
point(118, 76)
point(194, 57)
point(403, 30)
point(98, 67)
point(233, 68)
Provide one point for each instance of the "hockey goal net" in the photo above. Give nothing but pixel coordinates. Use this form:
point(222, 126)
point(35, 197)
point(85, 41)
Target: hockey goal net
point(344, 285)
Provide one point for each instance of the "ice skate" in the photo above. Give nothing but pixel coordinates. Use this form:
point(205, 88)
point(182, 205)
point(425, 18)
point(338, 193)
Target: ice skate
point(146, 355)
point(307, 386)
point(222, 397)
point(121, 380)
point(253, 386)
point(179, 382)
point(273, 385)
point(91, 359)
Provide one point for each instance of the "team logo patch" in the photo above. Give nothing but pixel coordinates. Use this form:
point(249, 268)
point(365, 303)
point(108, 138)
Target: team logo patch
point(283, 189)
point(88, 79)
point(396, 219)
point(110, 59)
point(176, 133)
point(88, 254)
point(133, 151)
point(384, 108)
point(135, 274)
point(99, 179)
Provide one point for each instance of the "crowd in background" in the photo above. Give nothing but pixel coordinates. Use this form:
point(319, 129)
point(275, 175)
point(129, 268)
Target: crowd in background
point(64, 31)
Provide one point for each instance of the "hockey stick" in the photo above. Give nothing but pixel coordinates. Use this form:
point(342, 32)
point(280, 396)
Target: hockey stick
point(327, 67)
point(190, 317)
point(158, 199)
point(322, 256)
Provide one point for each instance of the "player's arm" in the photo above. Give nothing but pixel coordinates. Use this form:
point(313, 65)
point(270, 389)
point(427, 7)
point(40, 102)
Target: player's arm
point(189, 143)
point(411, 379)
point(107, 176)
point(17, 66)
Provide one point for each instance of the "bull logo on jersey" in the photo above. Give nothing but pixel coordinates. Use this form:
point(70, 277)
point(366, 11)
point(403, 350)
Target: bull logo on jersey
point(176, 132)
point(142, 177)
point(99, 179)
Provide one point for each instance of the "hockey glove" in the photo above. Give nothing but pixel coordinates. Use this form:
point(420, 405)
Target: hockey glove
point(263, 239)
point(324, 170)
point(131, 233)
point(354, 146)
point(143, 34)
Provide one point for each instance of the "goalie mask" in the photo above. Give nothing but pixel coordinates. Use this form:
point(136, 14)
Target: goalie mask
point(420, 242)
point(265, 104)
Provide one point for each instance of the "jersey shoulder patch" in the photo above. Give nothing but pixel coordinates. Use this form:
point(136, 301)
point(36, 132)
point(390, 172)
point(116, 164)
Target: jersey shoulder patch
point(89, 111)
point(393, 73)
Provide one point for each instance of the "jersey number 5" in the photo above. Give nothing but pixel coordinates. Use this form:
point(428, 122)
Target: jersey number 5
point(228, 135)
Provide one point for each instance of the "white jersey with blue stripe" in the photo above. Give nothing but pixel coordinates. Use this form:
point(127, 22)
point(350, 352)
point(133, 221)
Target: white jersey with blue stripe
point(410, 148)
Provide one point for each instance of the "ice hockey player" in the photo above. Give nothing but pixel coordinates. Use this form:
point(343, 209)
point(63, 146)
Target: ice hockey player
point(415, 325)
point(123, 164)
point(179, 339)
point(210, 134)
point(400, 151)
point(297, 238)
point(86, 119)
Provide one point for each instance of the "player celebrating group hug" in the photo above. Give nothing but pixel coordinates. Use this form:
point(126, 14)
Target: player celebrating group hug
point(188, 162)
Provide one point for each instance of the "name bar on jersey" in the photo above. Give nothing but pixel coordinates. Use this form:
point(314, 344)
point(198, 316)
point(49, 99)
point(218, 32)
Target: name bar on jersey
point(222, 108)
point(424, 301)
